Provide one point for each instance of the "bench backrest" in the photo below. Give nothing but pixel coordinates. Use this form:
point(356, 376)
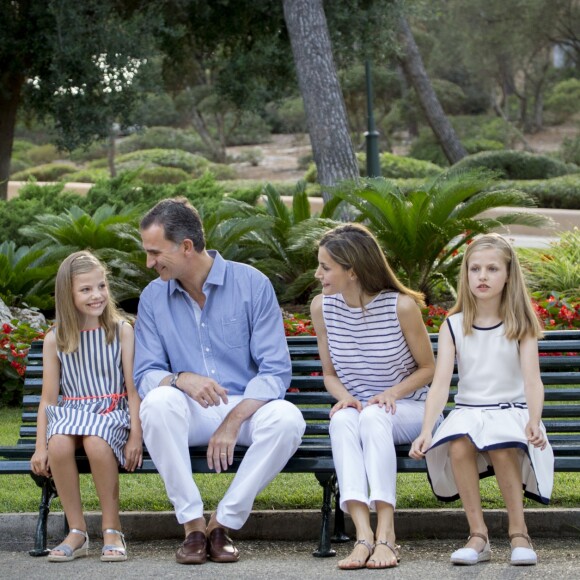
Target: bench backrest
point(559, 363)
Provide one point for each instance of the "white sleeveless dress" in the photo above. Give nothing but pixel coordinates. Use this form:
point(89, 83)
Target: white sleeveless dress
point(92, 386)
point(490, 409)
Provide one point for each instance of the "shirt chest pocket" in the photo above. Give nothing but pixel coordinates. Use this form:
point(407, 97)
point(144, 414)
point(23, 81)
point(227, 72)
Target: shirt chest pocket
point(236, 332)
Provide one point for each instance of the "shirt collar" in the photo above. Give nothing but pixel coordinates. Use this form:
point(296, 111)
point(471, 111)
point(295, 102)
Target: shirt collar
point(216, 274)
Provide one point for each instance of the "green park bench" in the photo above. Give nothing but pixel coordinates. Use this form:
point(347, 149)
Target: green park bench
point(560, 368)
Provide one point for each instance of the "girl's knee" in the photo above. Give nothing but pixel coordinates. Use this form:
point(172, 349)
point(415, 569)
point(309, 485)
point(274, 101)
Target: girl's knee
point(461, 449)
point(61, 445)
point(96, 445)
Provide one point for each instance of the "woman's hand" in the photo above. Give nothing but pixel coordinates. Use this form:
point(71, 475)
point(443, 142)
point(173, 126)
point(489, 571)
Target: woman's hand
point(536, 435)
point(345, 403)
point(133, 452)
point(39, 463)
point(387, 400)
point(420, 446)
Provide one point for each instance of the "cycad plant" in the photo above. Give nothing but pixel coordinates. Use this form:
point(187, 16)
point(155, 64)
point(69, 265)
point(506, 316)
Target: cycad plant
point(23, 280)
point(111, 235)
point(277, 240)
point(423, 231)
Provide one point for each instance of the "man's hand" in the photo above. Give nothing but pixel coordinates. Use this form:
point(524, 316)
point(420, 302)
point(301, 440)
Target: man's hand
point(202, 389)
point(220, 449)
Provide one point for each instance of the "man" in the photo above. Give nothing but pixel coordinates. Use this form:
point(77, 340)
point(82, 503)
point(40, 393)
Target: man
point(212, 367)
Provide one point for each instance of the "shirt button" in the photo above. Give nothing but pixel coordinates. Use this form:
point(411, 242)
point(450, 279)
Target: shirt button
point(213, 371)
point(203, 324)
point(207, 349)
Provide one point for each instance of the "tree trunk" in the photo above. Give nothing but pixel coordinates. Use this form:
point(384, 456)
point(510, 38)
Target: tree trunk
point(332, 146)
point(9, 101)
point(412, 64)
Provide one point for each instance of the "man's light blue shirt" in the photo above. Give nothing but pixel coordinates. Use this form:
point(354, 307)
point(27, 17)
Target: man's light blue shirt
point(237, 339)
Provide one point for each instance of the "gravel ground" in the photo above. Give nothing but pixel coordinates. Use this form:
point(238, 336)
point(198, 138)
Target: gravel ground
point(559, 558)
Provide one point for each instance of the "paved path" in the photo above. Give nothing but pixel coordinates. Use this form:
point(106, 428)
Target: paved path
point(288, 560)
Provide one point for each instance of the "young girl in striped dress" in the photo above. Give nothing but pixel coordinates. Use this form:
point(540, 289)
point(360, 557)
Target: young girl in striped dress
point(496, 427)
point(88, 361)
point(377, 362)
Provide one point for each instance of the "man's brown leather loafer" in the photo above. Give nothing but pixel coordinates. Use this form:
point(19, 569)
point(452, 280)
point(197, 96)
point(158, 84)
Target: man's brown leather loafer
point(220, 547)
point(193, 550)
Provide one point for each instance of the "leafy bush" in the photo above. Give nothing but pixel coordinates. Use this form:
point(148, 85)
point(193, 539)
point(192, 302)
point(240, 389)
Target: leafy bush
point(475, 145)
point(33, 200)
point(48, 172)
point(205, 193)
point(287, 116)
point(392, 167)
point(159, 175)
point(517, 164)
point(85, 176)
point(96, 150)
point(395, 166)
point(162, 138)
point(193, 164)
point(21, 146)
point(15, 343)
point(558, 192)
point(18, 165)
point(557, 267)
point(42, 154)
point(564, 100)
point(222, 172)
point(570, 150)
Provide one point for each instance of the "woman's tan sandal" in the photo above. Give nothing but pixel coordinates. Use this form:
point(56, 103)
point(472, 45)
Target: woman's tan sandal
point(68, 552)
point(120, 554)
point(358, 564)
point(523, 556)
point(396, 549)
point(469, 556)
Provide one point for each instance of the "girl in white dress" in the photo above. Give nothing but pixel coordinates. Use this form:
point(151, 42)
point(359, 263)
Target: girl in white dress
point(377, 362)
point(89, 400)
point(495, 427)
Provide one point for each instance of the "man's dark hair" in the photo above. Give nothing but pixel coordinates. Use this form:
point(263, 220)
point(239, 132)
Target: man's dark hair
point(179, 219)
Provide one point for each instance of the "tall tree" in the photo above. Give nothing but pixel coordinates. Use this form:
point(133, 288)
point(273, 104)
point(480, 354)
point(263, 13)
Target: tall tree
point(332, 147)
point(72, 61)
point(412, 64)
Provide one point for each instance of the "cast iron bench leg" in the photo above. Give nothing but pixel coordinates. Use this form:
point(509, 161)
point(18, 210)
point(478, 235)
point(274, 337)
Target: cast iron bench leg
point(340, 536)
point(48, 494)
point(324, 549)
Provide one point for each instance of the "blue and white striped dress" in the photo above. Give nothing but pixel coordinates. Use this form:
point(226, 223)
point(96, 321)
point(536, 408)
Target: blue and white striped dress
point(91, 380)
point(367, 347)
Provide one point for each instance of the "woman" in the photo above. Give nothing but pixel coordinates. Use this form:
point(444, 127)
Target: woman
point(377, 362)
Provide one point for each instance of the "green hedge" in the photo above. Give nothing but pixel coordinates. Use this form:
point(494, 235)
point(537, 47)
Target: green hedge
point(518, 164)
point(162, 138)
point(189, 162)
point(47, 172)
point(392, 167)
point(558, 192)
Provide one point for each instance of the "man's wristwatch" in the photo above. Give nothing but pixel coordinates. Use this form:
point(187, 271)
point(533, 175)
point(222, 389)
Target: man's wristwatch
point(173, 380)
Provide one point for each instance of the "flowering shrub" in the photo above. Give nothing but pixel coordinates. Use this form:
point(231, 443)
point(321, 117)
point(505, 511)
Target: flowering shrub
point(297, 325)
point(433, 317)
point(15, 342)
point(556, 312)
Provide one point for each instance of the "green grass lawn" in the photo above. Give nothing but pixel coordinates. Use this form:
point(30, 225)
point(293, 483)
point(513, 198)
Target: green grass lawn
point(18, 493)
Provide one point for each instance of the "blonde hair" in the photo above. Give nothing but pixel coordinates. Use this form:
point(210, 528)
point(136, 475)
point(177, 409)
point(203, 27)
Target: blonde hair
point(67, 322)
point(516, 311)
point(354, 246)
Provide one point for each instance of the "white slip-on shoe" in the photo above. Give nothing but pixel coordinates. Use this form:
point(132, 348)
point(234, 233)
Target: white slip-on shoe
point(469, 556)
point(523, 556)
